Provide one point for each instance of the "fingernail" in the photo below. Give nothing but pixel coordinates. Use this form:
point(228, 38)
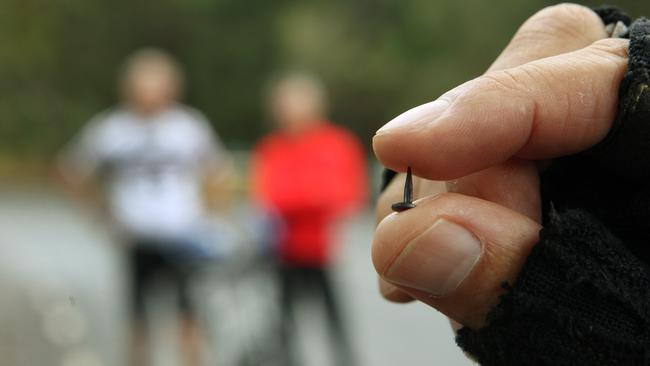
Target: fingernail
point(422, 114)
point(438, 260)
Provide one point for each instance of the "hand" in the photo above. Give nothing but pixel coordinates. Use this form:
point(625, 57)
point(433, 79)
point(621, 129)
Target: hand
point(478, 149)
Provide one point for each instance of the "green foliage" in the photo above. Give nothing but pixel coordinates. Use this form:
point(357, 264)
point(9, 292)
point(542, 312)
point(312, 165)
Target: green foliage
point(58, 58)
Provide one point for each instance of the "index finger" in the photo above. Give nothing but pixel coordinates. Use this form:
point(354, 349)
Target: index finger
point(543, 109)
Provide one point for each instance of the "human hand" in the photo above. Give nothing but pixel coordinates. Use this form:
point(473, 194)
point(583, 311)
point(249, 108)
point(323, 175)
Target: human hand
point(478, 150)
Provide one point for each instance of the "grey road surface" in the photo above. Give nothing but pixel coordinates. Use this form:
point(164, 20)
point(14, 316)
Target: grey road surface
point(63, 298)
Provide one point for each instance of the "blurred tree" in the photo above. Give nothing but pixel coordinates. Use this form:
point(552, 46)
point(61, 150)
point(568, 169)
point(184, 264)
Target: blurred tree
point(58, 59)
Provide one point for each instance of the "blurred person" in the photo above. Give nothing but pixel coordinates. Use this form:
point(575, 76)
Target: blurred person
point(310, 173)
point(157, 159)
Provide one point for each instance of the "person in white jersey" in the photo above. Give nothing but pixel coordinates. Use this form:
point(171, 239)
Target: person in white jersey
point(154, 157)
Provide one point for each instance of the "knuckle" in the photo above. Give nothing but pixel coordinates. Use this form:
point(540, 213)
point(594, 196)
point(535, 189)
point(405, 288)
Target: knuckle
point(614, 48)
point(566, 13)
point(501, 81)
point(518, 81)
point(510, 84)
point(563, 19)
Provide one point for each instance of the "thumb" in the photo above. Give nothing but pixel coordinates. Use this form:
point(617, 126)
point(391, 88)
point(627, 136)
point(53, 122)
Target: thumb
point(454, 252)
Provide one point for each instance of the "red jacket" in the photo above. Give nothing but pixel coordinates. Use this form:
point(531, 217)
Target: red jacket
point(309, 180)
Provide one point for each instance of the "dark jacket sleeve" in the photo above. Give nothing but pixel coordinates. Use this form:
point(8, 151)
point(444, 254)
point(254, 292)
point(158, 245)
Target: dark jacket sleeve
point(583, 296)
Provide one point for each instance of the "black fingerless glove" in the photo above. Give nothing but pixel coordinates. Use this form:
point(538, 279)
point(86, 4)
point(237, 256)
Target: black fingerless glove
point(583, 296)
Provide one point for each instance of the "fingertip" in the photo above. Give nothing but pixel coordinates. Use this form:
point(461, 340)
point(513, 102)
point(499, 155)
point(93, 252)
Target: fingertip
point(412, 118)
point(399, 149)
point(382, 144)
point(392, 293)
point(399, 144)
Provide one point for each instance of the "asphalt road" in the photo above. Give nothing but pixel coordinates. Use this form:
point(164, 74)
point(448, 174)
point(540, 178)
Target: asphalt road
point(63, 299)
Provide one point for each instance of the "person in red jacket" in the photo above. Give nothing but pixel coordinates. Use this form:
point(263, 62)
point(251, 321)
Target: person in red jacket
point(309, 173)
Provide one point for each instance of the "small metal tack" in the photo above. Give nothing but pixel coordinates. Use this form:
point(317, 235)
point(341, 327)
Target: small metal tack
point(407, 203)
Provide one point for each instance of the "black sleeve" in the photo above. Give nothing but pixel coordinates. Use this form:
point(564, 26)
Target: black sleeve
point(583, 296)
